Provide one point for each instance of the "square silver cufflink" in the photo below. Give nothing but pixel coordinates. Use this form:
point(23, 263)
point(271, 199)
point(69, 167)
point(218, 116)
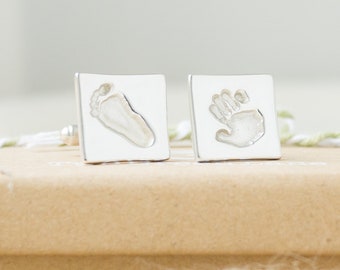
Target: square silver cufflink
point(233, 117)
point(122, 117)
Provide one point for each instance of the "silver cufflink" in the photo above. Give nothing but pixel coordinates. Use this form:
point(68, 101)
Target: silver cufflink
point(233, 117)
point(122, 117)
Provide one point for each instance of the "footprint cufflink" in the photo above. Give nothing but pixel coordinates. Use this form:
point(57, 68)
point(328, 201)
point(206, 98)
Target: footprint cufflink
point(115, 112)
point(233, 117)
point(122, 117)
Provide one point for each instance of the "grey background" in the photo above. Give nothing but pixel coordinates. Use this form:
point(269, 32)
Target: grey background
point(43, 43)
point(288, 39)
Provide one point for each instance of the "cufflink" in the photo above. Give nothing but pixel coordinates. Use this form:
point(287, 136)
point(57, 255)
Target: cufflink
point(122, 117)
point(233, 117)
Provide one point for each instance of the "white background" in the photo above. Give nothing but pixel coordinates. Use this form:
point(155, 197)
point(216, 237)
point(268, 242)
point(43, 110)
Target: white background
point(43, 43)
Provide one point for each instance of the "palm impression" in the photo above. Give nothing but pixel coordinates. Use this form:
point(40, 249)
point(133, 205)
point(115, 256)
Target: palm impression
point(242, 128)
point(114, 111)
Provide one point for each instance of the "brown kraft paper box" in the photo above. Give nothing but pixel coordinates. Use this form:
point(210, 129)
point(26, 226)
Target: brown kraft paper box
point(58, 213)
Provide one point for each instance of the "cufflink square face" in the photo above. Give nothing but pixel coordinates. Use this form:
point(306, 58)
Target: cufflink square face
point(234, 117)
point(122, 117)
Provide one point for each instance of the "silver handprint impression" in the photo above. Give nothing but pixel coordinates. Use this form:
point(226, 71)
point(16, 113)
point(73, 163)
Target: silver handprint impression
point(114, 111)
point(242, 128)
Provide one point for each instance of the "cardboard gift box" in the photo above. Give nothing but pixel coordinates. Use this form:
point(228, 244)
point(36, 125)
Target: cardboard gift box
point(58, 213)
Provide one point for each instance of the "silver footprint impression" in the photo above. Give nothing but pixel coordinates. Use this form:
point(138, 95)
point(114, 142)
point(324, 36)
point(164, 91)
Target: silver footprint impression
point(242, 127)
point(113, 110)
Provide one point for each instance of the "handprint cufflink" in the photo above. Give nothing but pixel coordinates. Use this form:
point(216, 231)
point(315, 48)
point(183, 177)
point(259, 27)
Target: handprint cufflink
point(122, 117)
point(242, 128)
point(233, 117)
